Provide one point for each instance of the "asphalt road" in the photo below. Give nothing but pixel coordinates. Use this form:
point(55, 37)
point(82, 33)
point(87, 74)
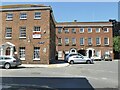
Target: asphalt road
point(102, 74)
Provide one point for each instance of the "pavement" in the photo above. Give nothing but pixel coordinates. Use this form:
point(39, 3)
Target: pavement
point(59, 63)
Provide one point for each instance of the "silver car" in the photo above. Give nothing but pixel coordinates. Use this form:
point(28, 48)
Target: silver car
point(79, 59)
point(9, 61)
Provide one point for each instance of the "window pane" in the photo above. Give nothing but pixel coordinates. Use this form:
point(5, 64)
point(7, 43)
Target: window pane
point(36, 52)
point(97, 29)
point(22, 31)
point(81, 41)
point(8, 32)
point(22, 52)
point(37, 15)
point(89, 30)
point(66, 41)
point(23, 16)
point(59, 30)
point(9, 16)
point(81, 30)
point(59, 40)
point(73, 30)
point(89, 41)
point(66, 30)
point(73, 41)
point(106, 41)
point(36, 28)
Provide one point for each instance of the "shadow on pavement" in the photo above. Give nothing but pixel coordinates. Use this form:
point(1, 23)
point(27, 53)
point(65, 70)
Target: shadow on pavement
point(45, 83)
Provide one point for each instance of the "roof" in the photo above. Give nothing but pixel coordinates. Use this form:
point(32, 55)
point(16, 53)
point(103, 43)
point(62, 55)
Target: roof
point(81, 24)
point(18, 7)
point(22, 6)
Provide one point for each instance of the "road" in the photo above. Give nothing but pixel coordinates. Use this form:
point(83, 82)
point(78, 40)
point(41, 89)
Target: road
point(101, 74)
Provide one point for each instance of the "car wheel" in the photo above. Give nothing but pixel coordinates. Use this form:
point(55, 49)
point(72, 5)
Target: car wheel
point(88, 62)
point(71, 62)
point(7, 66)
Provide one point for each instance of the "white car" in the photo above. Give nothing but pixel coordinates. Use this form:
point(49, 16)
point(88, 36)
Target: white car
point(79, 59)
point(96, 58)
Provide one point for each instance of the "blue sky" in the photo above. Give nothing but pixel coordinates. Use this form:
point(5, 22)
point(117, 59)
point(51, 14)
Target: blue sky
point(80, 11)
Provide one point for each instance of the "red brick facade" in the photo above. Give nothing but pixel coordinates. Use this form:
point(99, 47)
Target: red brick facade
point(86, 49)
point(46, 34)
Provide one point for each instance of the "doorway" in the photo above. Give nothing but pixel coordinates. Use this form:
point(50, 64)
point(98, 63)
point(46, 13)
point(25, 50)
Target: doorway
point(90, 53)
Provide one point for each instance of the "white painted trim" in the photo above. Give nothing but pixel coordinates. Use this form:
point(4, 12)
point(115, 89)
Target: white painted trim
point(84, 25)
point(30, 8)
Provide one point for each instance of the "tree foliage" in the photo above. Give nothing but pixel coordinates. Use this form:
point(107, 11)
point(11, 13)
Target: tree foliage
point(116, 43)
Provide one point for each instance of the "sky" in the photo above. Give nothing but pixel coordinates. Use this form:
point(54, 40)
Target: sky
point(80, 11)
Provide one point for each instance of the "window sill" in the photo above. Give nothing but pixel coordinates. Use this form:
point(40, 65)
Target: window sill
point(22, 37)
point(23, 59)
point(37, 18)
point(9, 19)
point(23, 18)
point(36, 59)
point(8, 37)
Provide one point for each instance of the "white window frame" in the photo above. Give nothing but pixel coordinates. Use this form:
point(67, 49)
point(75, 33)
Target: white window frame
point(36, 29)
point(106, 31)
point(66, 30)
point(90, 41)
point(81, 29)
point(8, 32)
point(99, 40)
point(9, 16)
point(23, 16)
point(36, 49)
point(90, 30)
point(98, 30)
point(59, 30)
point(82, 40)
point(73, 30)
point(22, 53)
point(67, 41)
point(37, 16)
point(73, 41)
point(23, 29)
point(60, 41)
point(107, 39)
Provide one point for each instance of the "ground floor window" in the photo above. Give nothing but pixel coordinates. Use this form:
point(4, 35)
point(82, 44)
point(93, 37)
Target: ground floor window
point(98, 53)
point(59, 54)
point(36, 53)
point(22, 53)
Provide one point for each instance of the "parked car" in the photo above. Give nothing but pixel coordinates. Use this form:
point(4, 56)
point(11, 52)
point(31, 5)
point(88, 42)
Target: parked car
point(79, 59)
point(9, 61)
point(96, 58)
point(71, 54)
point(106, 57)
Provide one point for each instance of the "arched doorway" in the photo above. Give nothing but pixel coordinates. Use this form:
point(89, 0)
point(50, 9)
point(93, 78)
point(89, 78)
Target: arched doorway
point(7, 51)
point(83, 52)
point(73, 50)
point(90, 53)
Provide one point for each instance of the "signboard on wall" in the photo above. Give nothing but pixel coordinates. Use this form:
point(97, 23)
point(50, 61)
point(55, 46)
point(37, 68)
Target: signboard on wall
point(36, 34)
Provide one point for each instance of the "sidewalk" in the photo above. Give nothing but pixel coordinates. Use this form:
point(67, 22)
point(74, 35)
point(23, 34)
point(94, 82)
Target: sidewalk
point(58, 64)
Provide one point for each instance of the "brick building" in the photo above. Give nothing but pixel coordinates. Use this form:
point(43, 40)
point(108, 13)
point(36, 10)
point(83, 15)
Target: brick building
point(28, 31)
point(87, 38)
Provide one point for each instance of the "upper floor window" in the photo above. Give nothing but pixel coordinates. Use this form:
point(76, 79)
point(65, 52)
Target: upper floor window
point(106, 41)
point(73, 41)
point(37, 15)
point(59, 30)
point(89, 30)
point(73, 30)
point(97, 30)
point(81, 41)
point(81, 30)
point(23, 16)
point(66, 41)
point(106, 29)
point(59, 41)
point(37, 28)
point(66, 30)
point(8, 32)
point(9, 16)
point(89, 41)
point(22, 32)
point(98, 41)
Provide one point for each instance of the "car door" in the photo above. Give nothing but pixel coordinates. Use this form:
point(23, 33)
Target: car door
point(78, 59)
point(1, 61)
